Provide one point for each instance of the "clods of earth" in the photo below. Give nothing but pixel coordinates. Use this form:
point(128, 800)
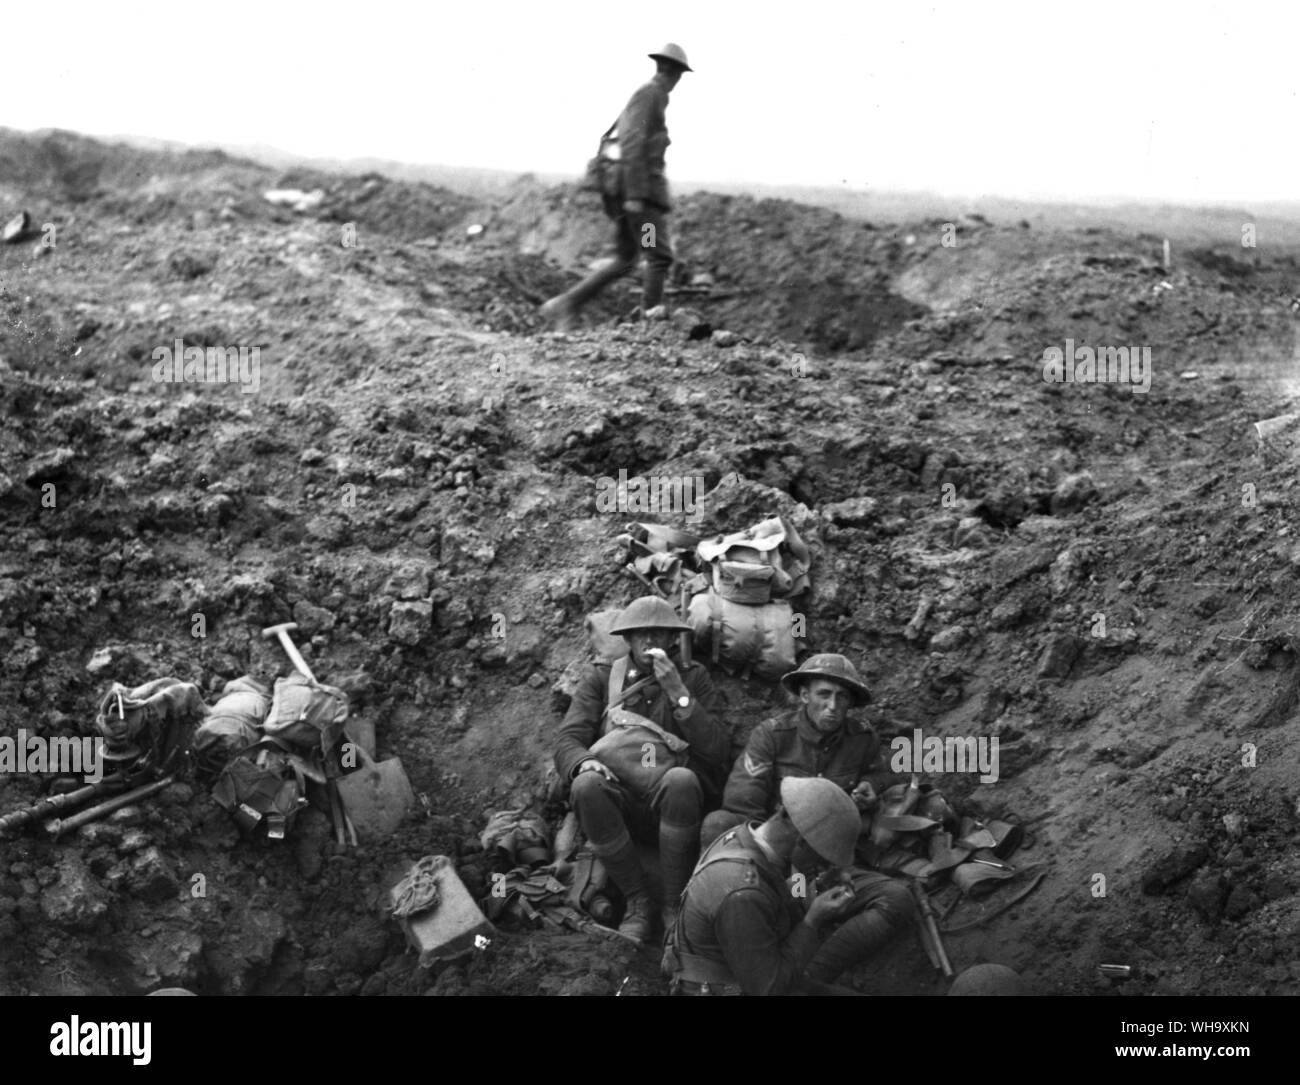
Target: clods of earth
point(1102, 578)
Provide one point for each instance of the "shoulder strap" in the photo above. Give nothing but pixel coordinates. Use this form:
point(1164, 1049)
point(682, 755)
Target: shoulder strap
point(617, 676)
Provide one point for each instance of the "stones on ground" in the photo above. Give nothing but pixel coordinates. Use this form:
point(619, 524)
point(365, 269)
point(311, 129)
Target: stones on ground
point(48, 465)
point(243, 956)
point(1173, 867)
point(949, 639)
point(1241, 900)
point(1235, 824)
point(1207, 895)
point(973, 532)
point(1006, 614)
point(410, 622)
point(75, 901)
point(1066, 571)
point(16, 228)
point(312, 619)
point(723, 338)
point(1012, 566)
point(852, 512)
point(1072, 493)
point(1059, 654)
point(409, 580)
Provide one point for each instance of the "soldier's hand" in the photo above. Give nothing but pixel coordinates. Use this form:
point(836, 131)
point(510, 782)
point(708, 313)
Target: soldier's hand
point(592, 765)
point(666, 674)
point(865, 796)
point(634, 207)
point(829, 906)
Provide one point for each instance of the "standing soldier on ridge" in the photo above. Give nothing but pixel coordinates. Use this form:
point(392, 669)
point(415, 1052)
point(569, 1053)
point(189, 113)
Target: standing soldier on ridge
point(640, 212)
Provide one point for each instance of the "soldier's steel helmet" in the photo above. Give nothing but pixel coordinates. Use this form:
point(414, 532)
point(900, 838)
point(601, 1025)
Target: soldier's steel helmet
point(648, 612)
point(988, 979)
point(828, 665)
point(827, 819)
point(675, 53)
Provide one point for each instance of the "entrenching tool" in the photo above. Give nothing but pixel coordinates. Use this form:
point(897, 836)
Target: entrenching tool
point(378, 796)
point(290, 649)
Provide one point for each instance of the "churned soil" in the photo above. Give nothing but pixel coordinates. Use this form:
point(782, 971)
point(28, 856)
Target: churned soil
point(1101, 577)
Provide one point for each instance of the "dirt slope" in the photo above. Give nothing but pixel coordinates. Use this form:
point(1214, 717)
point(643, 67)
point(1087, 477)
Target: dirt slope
point(1110, 572)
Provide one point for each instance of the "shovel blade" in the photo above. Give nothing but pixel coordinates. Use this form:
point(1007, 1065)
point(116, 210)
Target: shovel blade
point(377, 797)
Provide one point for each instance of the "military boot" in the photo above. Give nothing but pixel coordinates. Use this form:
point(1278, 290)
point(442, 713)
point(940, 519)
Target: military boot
point(652, 286)
point(638, 918)
point(624, 867)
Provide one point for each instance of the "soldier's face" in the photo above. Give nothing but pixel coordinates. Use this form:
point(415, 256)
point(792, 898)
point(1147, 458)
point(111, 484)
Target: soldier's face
point(671, 75)
point(826, 703)
point(640, 641)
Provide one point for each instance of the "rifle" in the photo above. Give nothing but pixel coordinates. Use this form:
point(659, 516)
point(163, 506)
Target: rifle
point(684, 637)
point(62, 825)
point(931, 939)
point(52, 804)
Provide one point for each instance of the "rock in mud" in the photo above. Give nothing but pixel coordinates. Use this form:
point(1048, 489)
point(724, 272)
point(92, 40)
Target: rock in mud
point(409, 581)
point(245, 952)
point(170, 959)
point(949, 639)
point(1206, 895)
point(409, 623)
point(1005, 615)
point(1172, 867)
point(974, 533)
point(1240, 901)
point(1072, 493)
point(76, 901)
point(152, 877)
point(1058, 656)
point(363, 947)
point(853, 512)
point(312, 619)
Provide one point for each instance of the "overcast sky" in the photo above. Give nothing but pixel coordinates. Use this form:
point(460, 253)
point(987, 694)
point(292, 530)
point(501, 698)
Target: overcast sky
point(1187, 101)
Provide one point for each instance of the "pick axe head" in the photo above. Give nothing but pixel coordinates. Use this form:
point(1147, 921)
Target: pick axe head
point(286, 642)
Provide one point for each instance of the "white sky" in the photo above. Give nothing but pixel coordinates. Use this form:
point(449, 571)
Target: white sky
point(1187, 101)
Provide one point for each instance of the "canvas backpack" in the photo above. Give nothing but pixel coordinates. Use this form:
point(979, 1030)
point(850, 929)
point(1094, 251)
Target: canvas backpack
point(306, 714)
point(264, 786)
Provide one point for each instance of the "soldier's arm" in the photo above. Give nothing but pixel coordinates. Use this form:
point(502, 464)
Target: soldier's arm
point(644, 114)
point(578, 731)
point(703, 727)
point(876, 770)
point(746, 927)
point(751, 788)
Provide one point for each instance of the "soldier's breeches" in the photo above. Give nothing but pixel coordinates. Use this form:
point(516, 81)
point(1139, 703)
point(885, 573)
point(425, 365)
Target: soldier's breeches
point(597, 802)
point(882, 909)
point(681, 800)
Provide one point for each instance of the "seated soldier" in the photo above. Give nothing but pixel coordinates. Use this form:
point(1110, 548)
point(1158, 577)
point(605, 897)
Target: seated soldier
point(612, 812)
point(817, 738)
point(743, 927)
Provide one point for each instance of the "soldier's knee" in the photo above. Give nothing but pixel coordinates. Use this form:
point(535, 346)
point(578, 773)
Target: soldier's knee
point(896, 904)
point(682, 782)
point(717, 823)
point(587, 788)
